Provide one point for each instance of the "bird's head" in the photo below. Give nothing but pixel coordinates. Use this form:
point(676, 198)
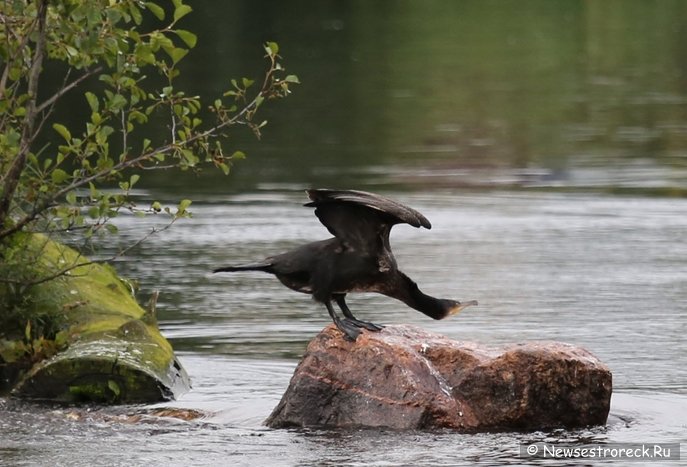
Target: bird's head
point(455, 307)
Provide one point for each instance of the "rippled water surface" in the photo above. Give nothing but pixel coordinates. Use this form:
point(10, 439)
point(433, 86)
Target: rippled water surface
point(545, 140)
point(607, 273)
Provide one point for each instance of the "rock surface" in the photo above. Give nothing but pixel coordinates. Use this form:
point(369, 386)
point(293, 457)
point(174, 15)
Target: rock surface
point(408, 378)
point(112, 352)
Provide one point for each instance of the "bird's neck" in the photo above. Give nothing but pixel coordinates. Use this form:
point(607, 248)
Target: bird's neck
point(409, 293)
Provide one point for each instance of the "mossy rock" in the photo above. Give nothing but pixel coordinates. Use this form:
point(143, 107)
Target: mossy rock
point(114, 350)
point(106, 370)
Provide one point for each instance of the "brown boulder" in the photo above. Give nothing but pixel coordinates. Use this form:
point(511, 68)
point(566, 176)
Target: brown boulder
point(408, 378)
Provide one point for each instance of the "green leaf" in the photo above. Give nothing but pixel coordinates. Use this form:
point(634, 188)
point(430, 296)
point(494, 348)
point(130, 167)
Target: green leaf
point(188, 37)
point(292, 79)
point(13, 137)
point(156, 10)
point(139, 117)
point(181, 11)
point(59, 176)
point(112, 228)
point(247, 82)
point(134, 178)
point(238, 155)
point(71, 197)
point(183, 205)
point(176, 53)
point(15, 73)
point(136, 14)
point(92, 101)
point(144, 52)
point(272, 48)
point(189, 157)
point(63, 131)
point(156, 206)
point(117, 103)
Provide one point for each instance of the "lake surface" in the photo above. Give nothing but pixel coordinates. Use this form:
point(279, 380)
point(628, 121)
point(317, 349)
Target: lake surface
point(604, 272)
point(547, 144)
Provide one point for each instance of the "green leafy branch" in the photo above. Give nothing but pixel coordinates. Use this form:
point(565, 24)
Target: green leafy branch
point(85, 180)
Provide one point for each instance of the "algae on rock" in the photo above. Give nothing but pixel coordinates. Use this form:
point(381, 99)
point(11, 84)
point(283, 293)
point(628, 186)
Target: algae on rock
point(114, 350)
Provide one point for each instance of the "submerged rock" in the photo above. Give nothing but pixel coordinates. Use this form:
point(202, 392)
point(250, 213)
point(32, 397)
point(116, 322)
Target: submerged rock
point(407, 378)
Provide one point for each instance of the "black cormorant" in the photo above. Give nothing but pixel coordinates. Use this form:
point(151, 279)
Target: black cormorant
point(357, 259)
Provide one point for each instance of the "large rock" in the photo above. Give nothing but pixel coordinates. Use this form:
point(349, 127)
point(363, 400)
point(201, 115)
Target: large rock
point(108, 350)
point(408, 378)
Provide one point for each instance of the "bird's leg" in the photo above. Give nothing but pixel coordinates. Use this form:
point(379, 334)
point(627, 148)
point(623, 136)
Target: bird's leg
point(350, 331)
point(352, 319)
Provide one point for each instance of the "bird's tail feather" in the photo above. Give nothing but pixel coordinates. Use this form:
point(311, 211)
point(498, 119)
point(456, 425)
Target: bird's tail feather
point(262, 266)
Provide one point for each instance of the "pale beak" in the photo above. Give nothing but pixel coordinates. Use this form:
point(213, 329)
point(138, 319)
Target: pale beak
point(458, 308)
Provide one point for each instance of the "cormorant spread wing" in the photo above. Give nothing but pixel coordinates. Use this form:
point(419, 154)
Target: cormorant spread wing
point(360, 218)
point(358, 259)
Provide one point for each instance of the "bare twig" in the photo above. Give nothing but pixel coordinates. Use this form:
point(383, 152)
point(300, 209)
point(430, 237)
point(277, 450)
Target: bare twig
point(76, 264)
point(65, 89)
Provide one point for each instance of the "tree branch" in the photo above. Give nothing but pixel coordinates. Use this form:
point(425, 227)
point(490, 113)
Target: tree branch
point(19, 50)
point(49, 201)
point(65, 89)
point(11, 179)
point(76, 264)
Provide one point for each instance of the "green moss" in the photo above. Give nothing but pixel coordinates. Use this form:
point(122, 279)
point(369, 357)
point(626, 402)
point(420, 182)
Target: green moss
point(92, 392)
point(87, 290)
point(113, 355)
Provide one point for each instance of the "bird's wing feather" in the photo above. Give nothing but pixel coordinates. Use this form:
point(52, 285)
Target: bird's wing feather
point(394, 209)
point(361, 218)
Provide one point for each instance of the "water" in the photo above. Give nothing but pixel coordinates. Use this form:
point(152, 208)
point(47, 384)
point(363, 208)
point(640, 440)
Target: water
point(512, 127)
point(607, 273)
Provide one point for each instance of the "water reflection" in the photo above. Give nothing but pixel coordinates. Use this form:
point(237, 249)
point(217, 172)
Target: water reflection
point(555, 93)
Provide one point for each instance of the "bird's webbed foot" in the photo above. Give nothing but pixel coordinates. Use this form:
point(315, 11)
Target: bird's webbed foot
point(349, 330)
point(364, 324)
point(352, 319)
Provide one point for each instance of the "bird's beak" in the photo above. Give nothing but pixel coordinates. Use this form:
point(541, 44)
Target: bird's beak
point(458, 308)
